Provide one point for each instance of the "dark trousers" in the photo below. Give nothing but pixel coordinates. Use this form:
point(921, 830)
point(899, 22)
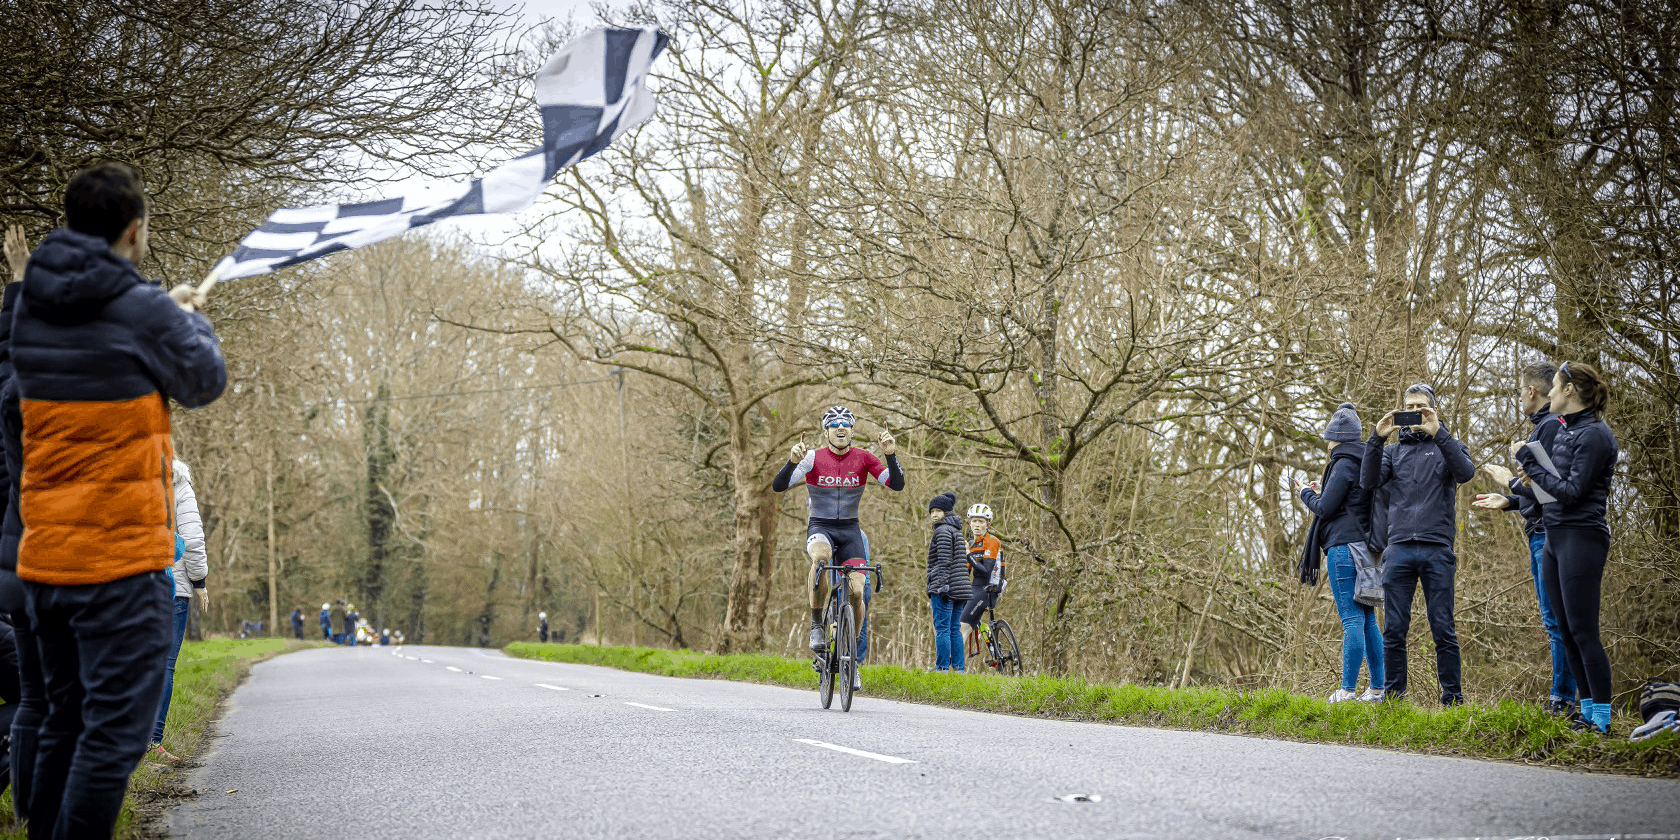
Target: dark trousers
point(1573, 565)
point(102, 648)
point(1405, 566)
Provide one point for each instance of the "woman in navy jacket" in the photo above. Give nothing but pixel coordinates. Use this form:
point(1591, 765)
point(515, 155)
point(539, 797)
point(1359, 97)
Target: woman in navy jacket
point(1577, 534)
point(1343, 511)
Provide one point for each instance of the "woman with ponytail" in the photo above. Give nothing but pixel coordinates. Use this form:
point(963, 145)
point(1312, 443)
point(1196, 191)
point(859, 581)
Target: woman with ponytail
point(1576, 479)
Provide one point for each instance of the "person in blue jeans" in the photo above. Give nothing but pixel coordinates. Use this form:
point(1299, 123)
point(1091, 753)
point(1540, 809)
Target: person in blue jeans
point(189, 574)
point(1343, 515)
point(1417, 478)
point(947, 582)
point(1533, 394)
point(1576, 481)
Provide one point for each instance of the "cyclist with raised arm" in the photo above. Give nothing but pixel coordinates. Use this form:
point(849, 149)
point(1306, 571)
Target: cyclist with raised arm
point(834, 476)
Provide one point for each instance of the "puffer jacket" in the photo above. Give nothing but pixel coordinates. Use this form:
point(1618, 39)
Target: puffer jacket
point(1585, 453)
point(97, 352)
point(1420, 477)
point(947, 558)
point(193, 566)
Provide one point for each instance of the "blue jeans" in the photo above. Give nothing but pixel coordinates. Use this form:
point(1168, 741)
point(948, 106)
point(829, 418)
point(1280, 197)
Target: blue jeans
point(102, 648)
point(1563, 679)
point(1405, 566)
point(1361, 637)
point(182, 607)
point(947, 634)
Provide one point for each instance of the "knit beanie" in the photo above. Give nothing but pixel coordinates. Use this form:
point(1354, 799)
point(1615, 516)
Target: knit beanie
point(946, 501)
point(1344, 425)
point(1424, 389)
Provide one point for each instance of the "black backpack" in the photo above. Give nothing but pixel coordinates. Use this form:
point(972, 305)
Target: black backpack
point(1658, 697)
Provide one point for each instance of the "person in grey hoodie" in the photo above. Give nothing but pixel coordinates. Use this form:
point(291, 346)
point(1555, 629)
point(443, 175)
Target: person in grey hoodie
point(947, 581)
point(1343, 515)
point(1419, 477)
point(191, 569)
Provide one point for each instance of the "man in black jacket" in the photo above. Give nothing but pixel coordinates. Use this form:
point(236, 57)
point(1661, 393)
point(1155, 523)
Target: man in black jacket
point(1419, 477)
point(1536, 383)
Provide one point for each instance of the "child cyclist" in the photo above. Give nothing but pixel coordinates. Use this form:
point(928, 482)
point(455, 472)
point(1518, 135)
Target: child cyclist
point(985, 567)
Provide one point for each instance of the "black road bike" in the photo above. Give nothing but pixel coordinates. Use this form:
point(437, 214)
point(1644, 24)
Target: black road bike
point(995, 640)
point(838, 658)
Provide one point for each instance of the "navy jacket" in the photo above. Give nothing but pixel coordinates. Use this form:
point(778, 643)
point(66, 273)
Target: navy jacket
point(947, 560)
point(1344, 509)
point(1584, 452)
point(1341, 514)
point(11, 436)
point(1521, 497)
point(97, 353)
point(1420, 477)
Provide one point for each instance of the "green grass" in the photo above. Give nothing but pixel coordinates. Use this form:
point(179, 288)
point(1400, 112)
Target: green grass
point(205, 673)
point(1508, 730)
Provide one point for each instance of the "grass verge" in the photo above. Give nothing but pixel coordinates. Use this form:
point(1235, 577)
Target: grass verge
point(205, 673)
point(1507, 731)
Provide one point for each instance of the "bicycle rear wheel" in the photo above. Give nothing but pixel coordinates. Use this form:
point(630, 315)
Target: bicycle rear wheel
point(1009, 650)
point(847, 646)
point(826, 664)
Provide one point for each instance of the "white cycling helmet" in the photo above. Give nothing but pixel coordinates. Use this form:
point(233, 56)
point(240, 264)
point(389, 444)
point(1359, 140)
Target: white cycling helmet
point(980, 510)
point(326, 606)
point(542, 615)
point(838, 414)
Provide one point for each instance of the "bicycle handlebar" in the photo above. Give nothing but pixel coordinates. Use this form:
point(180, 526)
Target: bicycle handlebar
point(865, 570)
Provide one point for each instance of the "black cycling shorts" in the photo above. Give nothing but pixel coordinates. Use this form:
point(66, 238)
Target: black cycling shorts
point(846, 539)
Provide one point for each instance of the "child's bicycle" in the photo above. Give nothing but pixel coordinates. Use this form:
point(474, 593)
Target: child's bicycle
point(996, 640)
point(838, 658)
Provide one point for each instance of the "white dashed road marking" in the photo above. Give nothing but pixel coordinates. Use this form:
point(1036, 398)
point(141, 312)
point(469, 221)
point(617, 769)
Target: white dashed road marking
point(488, 677)
point(452, 668)
point(890, 759)
point(552, 687)
point(646, 706)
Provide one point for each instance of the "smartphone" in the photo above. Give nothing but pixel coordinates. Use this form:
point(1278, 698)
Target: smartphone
point(1408, 418)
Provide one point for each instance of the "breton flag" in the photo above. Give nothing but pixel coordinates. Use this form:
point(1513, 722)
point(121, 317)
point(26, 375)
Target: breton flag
point(590, 93)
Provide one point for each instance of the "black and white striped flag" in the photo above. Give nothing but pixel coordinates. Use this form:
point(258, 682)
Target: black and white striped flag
point(590, 93)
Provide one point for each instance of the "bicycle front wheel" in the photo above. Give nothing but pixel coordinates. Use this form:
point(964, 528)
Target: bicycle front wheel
point(1009, 650)
point(847, 646)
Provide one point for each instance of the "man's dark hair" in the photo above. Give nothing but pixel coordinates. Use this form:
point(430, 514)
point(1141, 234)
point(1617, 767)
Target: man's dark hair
point(103, 199)
point(1539, 373)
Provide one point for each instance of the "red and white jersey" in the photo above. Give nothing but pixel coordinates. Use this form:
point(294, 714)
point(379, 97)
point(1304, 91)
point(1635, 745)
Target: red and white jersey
point(835, 482)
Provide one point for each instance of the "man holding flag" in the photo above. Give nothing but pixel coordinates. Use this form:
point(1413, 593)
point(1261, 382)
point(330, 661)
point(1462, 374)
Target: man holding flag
point(98, 352)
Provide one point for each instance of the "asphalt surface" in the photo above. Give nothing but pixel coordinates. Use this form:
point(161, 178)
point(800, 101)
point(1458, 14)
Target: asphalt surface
point(432, 742)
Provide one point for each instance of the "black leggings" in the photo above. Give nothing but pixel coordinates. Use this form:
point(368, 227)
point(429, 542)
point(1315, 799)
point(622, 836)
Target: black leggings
point(1573, 565)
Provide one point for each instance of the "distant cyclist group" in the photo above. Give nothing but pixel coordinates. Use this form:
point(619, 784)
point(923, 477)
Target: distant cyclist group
point(965, 574)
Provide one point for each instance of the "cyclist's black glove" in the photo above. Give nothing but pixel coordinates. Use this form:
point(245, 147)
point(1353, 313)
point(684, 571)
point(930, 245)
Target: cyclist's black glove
point(991, 587)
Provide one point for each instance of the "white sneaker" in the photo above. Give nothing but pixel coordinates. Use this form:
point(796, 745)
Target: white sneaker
point(1371, 695)
point(857, 681)
point(1341, 695)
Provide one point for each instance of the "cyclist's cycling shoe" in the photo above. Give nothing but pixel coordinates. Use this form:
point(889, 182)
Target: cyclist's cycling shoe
point(817, 640)
point(857, 681)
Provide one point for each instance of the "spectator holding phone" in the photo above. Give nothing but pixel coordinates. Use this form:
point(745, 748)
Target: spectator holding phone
point(1572, 482)
point(1419, 477)
point(1534, 393)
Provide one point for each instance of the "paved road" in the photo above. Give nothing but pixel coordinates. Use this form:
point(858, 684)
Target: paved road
point(432, 742)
